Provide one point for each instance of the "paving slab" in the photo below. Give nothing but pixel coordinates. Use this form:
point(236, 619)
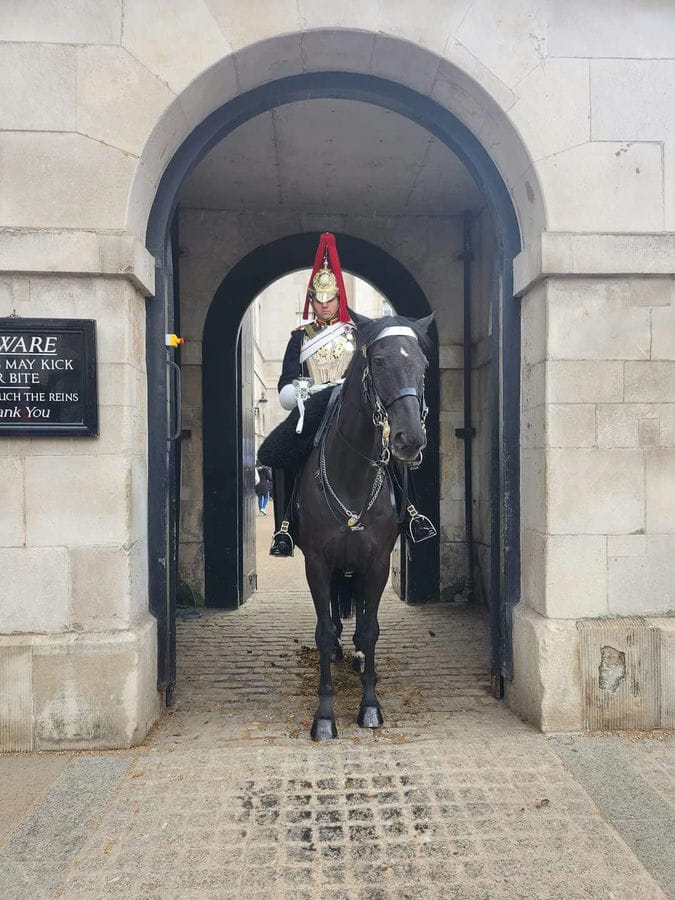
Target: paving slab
point(483, 809)
point(19, 792)
point(632, 781)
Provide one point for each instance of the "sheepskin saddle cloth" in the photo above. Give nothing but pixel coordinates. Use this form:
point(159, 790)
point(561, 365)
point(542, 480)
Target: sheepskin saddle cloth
point(283, 448)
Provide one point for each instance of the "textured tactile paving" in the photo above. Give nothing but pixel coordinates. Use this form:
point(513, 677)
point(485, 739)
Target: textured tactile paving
point(631, 781)
point(37, 855)
point(487, 812)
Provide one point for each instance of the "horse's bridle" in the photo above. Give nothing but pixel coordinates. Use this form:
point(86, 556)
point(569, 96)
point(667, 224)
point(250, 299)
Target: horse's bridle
point(380, 409)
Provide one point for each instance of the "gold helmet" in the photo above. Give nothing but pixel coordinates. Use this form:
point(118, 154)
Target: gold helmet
point(324, 284)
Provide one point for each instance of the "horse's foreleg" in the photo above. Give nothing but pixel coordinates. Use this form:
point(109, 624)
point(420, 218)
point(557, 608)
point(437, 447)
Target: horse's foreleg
point(368, 631)
point(336, 618)
point(323, 726)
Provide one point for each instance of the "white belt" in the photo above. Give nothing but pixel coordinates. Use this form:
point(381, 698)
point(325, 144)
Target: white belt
point(325, 336)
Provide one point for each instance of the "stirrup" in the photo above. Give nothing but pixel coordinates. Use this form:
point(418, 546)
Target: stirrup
point(420, 528)
point(282, 542)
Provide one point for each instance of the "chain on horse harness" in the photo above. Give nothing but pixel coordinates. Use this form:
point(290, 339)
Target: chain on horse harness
point(381, 421)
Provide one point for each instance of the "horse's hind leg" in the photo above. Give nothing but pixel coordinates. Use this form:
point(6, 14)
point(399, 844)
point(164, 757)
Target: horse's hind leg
point(367, 633)
point(323, 726)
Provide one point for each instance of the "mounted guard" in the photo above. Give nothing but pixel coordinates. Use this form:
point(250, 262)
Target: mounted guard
point(372, 430)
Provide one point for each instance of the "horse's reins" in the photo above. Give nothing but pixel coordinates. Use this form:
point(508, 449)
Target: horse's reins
point(380, 420)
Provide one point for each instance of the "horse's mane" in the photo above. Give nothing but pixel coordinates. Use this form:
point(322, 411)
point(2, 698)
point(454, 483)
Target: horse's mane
point(369, 330)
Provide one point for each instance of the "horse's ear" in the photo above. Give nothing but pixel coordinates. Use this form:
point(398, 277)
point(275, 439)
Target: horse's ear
point(358, 320)
point(423, 324)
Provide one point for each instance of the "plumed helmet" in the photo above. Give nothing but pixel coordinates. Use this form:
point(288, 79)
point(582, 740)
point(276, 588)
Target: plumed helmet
point(326, 281)
point(324, 285)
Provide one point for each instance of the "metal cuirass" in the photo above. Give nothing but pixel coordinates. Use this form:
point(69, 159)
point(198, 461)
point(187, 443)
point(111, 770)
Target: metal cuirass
point(329, 363)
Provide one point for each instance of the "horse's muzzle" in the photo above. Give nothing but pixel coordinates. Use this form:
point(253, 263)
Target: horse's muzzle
point(407, 446)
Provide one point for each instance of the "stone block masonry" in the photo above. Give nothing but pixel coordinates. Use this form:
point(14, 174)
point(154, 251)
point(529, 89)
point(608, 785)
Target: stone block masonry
point(96, 105)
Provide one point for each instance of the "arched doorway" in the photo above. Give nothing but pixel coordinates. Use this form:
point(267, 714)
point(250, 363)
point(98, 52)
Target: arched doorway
point(222, 445)
point(505, 558)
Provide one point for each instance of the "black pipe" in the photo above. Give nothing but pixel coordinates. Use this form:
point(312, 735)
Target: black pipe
point(468, 432)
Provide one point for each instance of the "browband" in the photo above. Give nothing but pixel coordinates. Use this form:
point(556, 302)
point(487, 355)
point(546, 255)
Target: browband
point(394, 330)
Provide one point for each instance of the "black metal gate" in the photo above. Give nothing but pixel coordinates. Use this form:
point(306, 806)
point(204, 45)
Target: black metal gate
point(245, 471)
point(164, 507)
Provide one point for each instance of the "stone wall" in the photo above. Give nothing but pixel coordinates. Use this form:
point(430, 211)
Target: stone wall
point(598, 494)
point(574, 104)
point(599, 409)
point(74, 548)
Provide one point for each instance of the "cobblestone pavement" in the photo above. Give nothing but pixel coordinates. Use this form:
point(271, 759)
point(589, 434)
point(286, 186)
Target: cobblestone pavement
point(253, 673)
point(453, 798)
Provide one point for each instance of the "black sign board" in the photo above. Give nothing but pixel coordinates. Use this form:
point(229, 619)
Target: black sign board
point(48, 377)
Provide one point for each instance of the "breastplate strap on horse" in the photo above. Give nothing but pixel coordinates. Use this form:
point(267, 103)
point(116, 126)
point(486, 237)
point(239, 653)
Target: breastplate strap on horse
point(420, 528)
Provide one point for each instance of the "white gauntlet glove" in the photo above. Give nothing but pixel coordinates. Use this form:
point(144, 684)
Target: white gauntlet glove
point(295, 394)
point(292, 395)
point(289, 394)
point(287, 397)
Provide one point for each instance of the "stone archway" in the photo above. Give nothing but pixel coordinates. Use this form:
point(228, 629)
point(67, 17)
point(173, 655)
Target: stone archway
point(451, 131)
point(222, 451)
point(454, 81)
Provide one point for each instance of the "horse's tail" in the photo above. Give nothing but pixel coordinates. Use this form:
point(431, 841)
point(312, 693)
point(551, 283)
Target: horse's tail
point(346, 594)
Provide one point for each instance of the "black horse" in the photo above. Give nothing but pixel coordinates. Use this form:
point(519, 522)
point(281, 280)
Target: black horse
point(347, 518)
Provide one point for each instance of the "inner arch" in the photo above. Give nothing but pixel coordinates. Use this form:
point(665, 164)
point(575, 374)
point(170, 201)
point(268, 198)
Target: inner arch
point(219, 360)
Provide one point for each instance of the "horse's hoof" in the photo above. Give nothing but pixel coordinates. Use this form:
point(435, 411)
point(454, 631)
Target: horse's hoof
point(338, 654)
point(323, 730)
point(359, 662)
point(370, 717)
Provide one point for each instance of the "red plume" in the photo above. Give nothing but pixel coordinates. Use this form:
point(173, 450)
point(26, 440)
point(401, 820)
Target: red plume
point(327, 247)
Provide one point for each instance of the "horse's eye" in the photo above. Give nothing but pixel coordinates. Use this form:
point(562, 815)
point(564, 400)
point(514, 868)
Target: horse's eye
point(377, 360)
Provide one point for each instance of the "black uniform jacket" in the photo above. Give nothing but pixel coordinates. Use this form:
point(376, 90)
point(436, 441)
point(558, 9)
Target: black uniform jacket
point(291, 367)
